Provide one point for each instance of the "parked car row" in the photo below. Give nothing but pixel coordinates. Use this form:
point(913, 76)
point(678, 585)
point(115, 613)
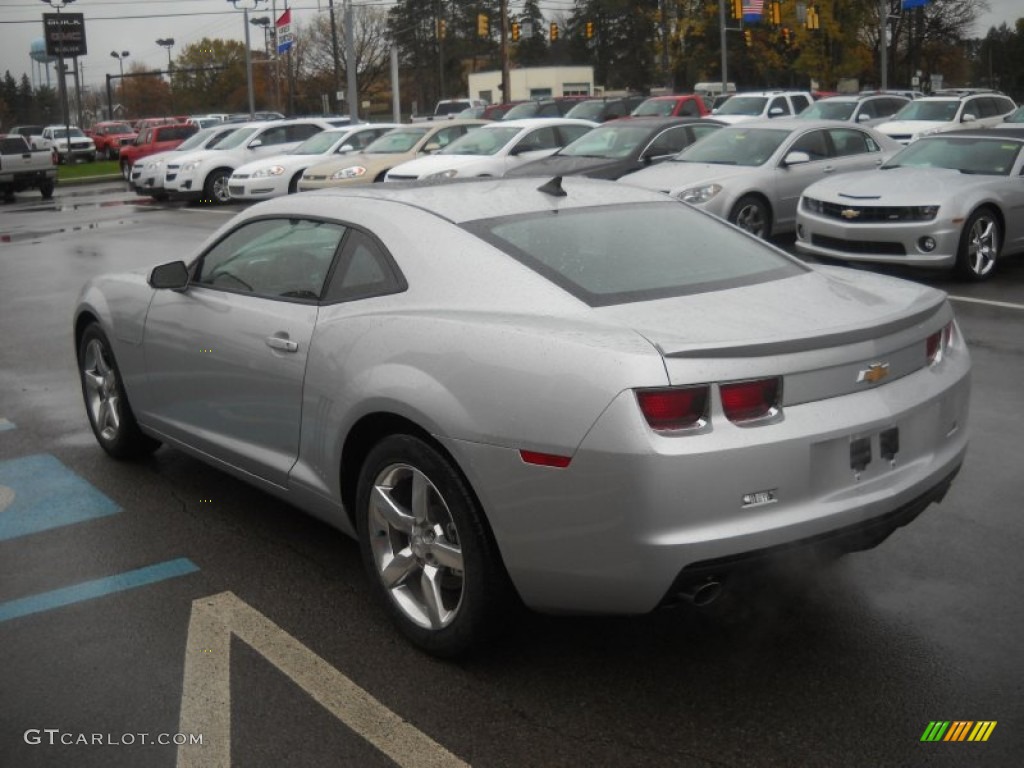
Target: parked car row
point(758, 174)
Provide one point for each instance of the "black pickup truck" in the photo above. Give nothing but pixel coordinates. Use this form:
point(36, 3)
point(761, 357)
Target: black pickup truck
point(22, 167)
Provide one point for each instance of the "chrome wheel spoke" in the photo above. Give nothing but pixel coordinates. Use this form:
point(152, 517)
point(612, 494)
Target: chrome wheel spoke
point(388, 510)
point(94, 382)
point(446, 555)
point(420, 497)
point(114, 412)
point(433, 599)
point(398, 569)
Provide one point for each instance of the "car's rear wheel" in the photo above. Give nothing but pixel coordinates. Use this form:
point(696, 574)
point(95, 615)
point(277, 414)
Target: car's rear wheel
point(126, 171)
point(46, 188)
point(751, 214)
point(980, 243)
point(110, 415)
point(430, 556)
point(216, 187)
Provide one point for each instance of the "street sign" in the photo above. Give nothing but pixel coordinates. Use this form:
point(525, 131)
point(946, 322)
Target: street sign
point(64, 34)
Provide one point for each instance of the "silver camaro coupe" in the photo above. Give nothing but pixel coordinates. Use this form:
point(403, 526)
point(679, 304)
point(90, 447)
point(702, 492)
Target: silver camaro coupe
point(949, 200)
point(577, 394)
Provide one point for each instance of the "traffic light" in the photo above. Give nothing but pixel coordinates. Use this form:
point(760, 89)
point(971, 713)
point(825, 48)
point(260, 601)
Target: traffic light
point(737, 9)
point(554, 31)
point(775, 13)
point(483, 25)
point(515, 31)
point(786, 36)
point(588, 30)
point(748, 37)
point(442, 29)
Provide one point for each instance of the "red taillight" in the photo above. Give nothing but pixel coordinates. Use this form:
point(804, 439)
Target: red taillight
point(936, 344)
point(545, 459)
point(749, 400)
point(676, 408)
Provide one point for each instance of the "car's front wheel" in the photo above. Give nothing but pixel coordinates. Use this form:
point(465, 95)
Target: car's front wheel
point(751, 214)
point(126, 170)
point(980, 243)
point(110, 415)
point(430, 556)
point(216, 187)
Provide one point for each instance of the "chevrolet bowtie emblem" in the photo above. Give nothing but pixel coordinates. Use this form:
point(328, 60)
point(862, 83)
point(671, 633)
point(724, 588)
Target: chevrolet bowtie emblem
point(873, 373)
point(849, 213)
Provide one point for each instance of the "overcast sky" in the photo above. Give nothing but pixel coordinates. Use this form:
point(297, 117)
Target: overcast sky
point(135, 25)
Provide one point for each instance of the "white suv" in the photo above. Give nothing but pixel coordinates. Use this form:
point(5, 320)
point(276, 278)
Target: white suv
point(760, 105)
point(937, 114)
point(203, 174)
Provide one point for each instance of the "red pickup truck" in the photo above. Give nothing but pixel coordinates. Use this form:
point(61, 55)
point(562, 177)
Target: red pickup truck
point(157, 138)
point(109, 136)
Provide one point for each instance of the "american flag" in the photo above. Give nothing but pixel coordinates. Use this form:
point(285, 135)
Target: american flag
point(752, 10)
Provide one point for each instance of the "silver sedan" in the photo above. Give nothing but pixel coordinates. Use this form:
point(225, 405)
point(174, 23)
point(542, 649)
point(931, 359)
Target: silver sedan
point(950, 200)
point(752, 174)
point(574, 393)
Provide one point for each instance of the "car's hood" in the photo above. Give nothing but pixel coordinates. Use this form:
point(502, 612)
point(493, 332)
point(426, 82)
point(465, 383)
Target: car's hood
point(160, 157)
point(424, 166)
point(373, 163)
point(565, 165)
point(898, 127)
point(895, 186)
point(287, 161)
point(732, 119)
point(198, 155)
point(824, 307)
point(672, 175)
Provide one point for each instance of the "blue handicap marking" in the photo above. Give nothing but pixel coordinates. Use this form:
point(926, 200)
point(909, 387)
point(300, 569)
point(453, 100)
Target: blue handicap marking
point(38, 493)
point(5, 424)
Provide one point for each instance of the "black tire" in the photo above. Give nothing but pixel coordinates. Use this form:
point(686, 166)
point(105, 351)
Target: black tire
point(981, 242)
point(160, 197)
point(215, 189)
point(106, 403)
point(449, 590)
point(46, 188)
point(126, 170)
point(752, 214)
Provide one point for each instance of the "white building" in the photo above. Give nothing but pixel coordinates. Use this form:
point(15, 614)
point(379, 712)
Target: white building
point(534, 83)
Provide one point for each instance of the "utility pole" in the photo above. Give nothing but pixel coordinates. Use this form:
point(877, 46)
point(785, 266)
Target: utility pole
point(505, 79)
point(721, 38)
point(350, 63)
point(334, 53)
point(883, 43)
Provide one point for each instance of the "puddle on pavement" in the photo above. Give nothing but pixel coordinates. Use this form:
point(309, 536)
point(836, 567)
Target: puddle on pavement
point(21, 237)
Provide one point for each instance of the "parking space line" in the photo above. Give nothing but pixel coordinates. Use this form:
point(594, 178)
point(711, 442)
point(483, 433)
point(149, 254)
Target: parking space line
point(987, 302)
point(89, 590)
point(206, 690)
point(42, 494)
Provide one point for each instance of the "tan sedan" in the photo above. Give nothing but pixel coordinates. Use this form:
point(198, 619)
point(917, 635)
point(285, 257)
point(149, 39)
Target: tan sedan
point(391, 149)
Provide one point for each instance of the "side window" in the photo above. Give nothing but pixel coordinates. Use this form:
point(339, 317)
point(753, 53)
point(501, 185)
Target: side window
point(813, 143)
point(301, 131)
point(363, 270)
point(700, 131)
point(689, 109)
point(1005, 105)
point(615, 109)
point(272, 136)
point(849, 142)
point(869, 109)
point(273, 258)
point(570, 133)
point(446, 136)
point(144, 137)
point(780, 103)
point(542, 138)
point(668, 142)
point(800, 103)
point(983, 107)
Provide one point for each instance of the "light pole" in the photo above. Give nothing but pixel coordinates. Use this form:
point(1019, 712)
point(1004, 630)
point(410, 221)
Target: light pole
point(248, 54)
point(168, 43)
point(57, 5)
point(120, 62)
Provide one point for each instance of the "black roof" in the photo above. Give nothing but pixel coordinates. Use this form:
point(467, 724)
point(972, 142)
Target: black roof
point(986, 133)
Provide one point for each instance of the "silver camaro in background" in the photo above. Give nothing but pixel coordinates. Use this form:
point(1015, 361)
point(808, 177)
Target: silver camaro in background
point(949, 200)
point(575, 393)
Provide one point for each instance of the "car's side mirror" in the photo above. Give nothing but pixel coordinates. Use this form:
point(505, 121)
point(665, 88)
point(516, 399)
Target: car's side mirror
point(431, 148)
point(776, 112)
point(968, 118)
point(345, 149)
point(863, 117)
point(255, 143)
point(172, 276)
point(796, 158)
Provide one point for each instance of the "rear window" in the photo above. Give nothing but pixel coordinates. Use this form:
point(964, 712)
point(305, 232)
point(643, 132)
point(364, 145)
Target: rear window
point(619, 254)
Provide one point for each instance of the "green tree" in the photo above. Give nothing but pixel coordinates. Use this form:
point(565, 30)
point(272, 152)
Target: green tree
point(622, 51)
point(210, 76)
point(532, 48)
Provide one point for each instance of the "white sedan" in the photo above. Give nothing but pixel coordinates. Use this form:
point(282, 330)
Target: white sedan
point(279, 175)
point(494, 149)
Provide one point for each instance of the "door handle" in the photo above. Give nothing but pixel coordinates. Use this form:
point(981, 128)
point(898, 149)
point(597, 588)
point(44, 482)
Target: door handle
point(282, 343)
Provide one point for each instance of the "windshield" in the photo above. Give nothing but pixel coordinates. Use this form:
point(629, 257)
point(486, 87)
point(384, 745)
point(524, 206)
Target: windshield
point(529, 109)
point(734, 146)
point(237, 139)
point(398, 140)
point(654, 107)
point(743, 105)
point(117, 128)
point(586, 110)
point(319, 143)
point(970, 155)
point(617, 254)
point(940, 111)
point(612, 141)
point(487, 141)
point(62, 133)
point(829, 110)
point(197, 139)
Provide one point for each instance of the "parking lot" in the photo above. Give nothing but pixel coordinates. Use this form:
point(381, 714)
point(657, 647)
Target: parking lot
point(146, 607)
